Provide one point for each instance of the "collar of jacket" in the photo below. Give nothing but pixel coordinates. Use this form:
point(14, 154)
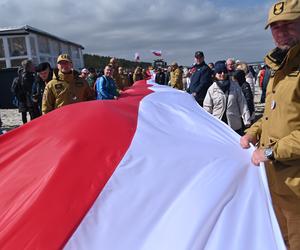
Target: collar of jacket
point(197, 66)
point(59, 76)
point(292, 58)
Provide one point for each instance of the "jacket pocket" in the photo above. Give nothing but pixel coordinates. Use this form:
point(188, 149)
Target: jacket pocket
point(294, 185)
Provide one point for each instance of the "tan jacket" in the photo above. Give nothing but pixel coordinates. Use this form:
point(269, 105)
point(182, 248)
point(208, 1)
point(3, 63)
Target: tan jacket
point(65, 89)
point(215, 104)
point(123, 82)
point(176, 79)
point(279, 128)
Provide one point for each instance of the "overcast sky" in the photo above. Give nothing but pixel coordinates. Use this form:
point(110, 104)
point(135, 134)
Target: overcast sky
point(221, 29)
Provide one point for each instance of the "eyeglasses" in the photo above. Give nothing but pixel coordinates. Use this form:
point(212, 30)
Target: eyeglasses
point(220, 72)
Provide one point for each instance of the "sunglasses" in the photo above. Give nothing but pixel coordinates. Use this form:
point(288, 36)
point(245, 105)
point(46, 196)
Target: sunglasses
point(221, 71)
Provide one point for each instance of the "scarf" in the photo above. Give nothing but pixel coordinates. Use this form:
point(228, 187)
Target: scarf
point(223, 85)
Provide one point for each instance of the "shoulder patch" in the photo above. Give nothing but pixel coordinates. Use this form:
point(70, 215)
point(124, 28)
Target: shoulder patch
point(58, 86)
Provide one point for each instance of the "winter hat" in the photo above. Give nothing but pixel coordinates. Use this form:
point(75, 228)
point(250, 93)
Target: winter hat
point(220, 67)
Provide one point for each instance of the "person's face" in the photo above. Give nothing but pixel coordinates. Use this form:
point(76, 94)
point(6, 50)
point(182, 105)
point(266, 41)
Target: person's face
point(84, 74)
point(121, 71)
point(64, 66)
point(286, 33)
point(230, 65)
point(44, 74)
point(107, 71)
point(198, 59)
point(221, 76)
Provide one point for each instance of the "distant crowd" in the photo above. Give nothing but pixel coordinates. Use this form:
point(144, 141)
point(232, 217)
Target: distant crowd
point(225, 89)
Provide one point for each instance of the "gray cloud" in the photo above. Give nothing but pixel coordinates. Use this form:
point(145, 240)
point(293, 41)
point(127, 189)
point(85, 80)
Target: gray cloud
point(178, 28)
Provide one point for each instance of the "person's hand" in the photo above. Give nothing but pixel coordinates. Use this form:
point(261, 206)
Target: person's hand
point(194, 94)
point(246, 140)
point(258, 156)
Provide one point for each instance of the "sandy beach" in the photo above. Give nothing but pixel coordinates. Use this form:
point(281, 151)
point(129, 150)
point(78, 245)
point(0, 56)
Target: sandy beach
point(11, 118)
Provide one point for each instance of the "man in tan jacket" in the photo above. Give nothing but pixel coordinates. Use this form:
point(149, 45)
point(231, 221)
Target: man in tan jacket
point(66, 87)
point(278, 131)
point(176, 76)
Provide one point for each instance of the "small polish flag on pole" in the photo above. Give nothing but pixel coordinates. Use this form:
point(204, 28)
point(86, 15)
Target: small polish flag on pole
point(136, 57)
point(156, 52)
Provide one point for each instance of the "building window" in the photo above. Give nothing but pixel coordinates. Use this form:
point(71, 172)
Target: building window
point(32, 45)
point(35, 61)
point(56, 48)
point(75, 52)
point(2, 64)
point(43, 43)
point(2, 54)
point(64, 49)
point(17, 62)
point(17, 46)
point(46, 59)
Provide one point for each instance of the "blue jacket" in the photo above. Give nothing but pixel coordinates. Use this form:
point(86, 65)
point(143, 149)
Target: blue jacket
point(105, 88)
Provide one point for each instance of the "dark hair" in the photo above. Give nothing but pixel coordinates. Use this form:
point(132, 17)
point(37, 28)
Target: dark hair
point(240, 76)
point(43, 66)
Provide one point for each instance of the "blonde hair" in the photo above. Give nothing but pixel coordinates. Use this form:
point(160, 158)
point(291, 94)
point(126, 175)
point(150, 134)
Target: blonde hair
point(243, 66)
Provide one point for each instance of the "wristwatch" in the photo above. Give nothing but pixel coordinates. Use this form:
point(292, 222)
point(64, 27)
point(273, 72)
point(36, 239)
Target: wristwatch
point(268, 152)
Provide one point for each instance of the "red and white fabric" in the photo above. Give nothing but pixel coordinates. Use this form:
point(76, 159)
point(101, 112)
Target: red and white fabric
point(156, 52)
point(151, 170)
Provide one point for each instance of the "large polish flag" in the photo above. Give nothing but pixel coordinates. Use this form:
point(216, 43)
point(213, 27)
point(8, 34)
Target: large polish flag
point(150, 171)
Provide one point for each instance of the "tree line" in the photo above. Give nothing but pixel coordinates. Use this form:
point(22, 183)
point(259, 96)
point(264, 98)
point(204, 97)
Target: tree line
point(99, 62)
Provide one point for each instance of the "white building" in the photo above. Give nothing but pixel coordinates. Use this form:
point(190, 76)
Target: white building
point(25, 42)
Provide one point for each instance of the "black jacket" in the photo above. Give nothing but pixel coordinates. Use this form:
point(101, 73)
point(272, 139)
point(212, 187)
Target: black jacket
point(22, 89)
point(160, 78)
point(246, 89)
point(201, 80)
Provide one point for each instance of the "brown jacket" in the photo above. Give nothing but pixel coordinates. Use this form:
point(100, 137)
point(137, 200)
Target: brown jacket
point(279, 128)
point(65, 89)
point(176, 79)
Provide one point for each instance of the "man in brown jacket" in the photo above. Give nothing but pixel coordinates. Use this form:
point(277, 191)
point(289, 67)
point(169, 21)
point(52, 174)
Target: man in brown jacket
point(176, 76)
point(66, 87)
point(278, 131)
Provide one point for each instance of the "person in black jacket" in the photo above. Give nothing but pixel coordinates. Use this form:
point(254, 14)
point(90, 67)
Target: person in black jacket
point(240, 77)
point(22, 89)
point(160, 77)
point(44, 75)
point(201, 78)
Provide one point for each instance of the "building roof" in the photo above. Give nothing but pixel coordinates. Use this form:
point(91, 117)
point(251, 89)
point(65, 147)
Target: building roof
point(26, 29)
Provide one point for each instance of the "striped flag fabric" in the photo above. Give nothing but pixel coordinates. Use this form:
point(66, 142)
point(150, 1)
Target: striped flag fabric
point(151, 170)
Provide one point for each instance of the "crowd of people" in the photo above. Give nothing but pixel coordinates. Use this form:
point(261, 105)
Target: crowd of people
point(41, 89)
point(225, 89)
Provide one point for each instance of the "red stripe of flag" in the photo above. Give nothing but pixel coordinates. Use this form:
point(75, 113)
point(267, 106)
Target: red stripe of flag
point(53, 168)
